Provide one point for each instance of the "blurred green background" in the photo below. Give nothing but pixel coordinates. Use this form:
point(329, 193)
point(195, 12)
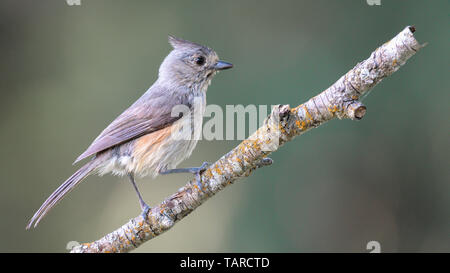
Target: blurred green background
point(67, 71)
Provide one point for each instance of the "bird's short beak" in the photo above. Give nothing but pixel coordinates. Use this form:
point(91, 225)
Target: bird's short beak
point(221, 65)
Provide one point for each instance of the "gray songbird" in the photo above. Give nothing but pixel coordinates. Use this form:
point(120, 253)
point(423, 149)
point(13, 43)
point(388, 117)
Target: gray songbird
point(156, 132)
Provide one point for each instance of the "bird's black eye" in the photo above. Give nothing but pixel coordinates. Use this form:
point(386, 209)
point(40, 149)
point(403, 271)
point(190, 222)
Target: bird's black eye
point(200, 60)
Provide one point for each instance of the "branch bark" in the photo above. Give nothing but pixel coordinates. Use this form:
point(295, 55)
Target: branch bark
point(341, 100)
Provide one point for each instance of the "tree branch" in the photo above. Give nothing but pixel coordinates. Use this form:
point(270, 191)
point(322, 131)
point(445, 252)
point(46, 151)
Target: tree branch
point(341, 100)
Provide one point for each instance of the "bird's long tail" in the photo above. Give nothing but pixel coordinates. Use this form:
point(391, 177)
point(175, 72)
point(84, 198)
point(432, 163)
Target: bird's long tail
point(61, 191)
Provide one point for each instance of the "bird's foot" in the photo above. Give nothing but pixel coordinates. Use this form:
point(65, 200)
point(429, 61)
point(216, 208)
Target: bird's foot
point(201, 169)
point(198, 172)
point(145, 209)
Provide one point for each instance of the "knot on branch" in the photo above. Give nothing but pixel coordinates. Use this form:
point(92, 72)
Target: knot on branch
point(355, 110)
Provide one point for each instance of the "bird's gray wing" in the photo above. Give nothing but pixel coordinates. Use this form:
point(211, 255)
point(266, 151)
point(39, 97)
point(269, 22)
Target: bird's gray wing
point(150, 113)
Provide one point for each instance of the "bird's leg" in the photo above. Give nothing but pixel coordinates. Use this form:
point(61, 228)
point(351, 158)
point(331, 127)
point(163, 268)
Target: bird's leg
point(145, 208)
point(194, 170)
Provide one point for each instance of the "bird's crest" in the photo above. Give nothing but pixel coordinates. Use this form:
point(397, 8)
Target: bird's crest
point(178, 43)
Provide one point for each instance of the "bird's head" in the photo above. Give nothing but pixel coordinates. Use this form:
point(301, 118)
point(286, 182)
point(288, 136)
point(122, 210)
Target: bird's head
point(190, 64)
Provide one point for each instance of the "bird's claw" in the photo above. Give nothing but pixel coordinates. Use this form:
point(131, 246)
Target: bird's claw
point(145, 209)
point(203, 167)
point(199, 172)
